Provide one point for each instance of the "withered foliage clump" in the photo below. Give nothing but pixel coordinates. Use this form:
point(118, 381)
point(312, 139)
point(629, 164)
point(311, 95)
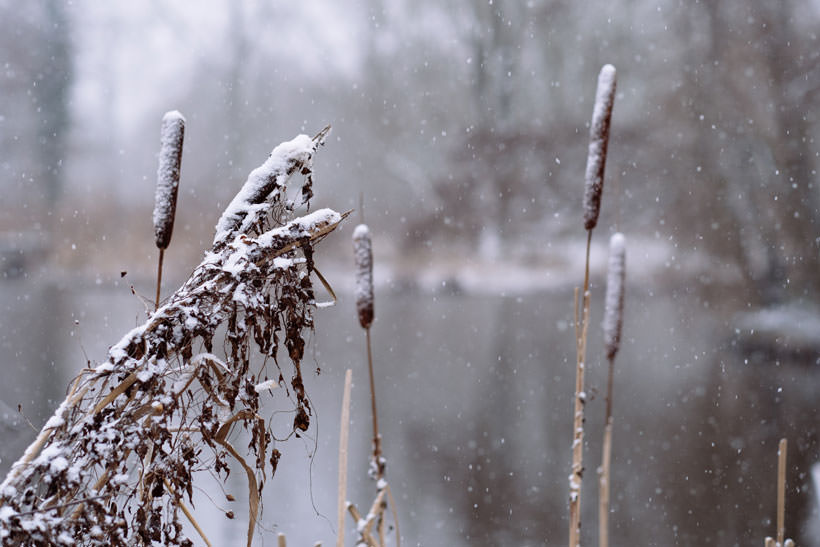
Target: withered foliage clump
point(116, 463)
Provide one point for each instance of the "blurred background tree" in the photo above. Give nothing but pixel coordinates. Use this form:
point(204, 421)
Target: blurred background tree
point(463, 124)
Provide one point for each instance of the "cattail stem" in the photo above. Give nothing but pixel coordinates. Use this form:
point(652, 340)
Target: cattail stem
point(605, 470)
point(344, 437)
point(363, 255)
point(172, 135)
point(159, 276)
point(576, 475)
point(781, 491)
point(377, 441)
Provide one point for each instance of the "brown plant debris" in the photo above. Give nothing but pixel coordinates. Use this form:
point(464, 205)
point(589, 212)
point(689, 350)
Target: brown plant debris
point(115, 464)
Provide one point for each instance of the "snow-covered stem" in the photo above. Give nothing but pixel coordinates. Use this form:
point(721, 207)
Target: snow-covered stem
point(265, 190)
point(598, 142)
point(123, 448)
point(579, 401)
point(172, 135)
point(375, 517)
point(363, 254)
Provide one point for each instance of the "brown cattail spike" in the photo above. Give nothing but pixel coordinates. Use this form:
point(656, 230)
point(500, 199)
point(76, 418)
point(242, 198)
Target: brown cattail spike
point(170, 157)
point(614, 314)
point(598, 140)
point(363, 251)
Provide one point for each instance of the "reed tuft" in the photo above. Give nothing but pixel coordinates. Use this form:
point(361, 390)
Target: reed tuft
point(598, 142)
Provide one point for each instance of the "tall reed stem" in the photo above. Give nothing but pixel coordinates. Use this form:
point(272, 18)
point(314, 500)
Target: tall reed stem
point(159, 276)
point(613, 324)
point(606, 460)
point(377, 442)
point(344, 437)
point(781, 491)
point(576, 476)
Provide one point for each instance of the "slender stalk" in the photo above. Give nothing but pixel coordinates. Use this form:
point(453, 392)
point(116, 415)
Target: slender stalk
point(377, 444)
point(159, 276)
point(187, 513)
point(781, 491)
point(605, 470)
point(344, 437)
point(395, 514)
point(576, 476)
point(613, 324)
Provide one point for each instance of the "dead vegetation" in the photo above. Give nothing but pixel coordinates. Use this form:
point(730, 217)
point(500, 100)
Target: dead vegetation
point(117, 462)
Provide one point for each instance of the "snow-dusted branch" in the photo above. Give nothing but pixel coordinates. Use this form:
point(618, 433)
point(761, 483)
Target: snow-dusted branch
point(115, 463)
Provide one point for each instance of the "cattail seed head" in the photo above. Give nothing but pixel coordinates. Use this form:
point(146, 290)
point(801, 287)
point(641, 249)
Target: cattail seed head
point(598, 140)
point(363, 252)
point(614, 313)
point(170, 157)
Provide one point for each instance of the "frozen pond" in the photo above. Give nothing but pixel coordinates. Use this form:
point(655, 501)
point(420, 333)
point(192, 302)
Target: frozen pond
point(475, 398)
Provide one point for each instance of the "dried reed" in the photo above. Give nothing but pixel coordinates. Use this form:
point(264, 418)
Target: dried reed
point(781, 500)
point(123, 448)
point(613, 324)
point(172, 134)
point(363, 255)
point(344, 440)
point(376, 516)
point(596, 160)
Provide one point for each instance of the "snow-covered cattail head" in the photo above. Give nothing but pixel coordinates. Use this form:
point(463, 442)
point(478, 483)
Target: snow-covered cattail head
point(363, 250)
point(598, 140)
point(614, 314)
point(170, 157)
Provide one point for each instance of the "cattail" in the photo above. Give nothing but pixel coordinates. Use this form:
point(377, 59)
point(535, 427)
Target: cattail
point(598, 140)
point(614, 314)
point(363, 250)
point(170, 157)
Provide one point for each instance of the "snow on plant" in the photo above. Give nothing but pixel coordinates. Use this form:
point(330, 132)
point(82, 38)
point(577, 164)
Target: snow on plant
point(613, 324)
point(598, 143)
point(614, 310)
point(170, 159)
point(172, 134)
point(593, 188)
point(116, 463)
point(363, 255)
